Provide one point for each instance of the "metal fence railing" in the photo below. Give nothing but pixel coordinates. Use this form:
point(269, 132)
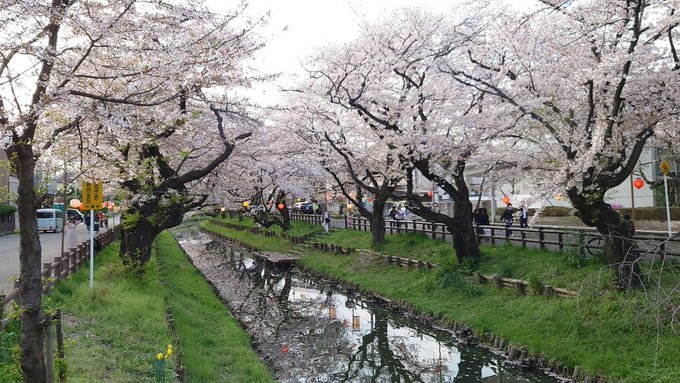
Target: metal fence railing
point(556, 238)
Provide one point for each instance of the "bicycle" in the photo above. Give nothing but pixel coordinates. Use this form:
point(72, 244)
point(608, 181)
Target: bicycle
point(594, 244)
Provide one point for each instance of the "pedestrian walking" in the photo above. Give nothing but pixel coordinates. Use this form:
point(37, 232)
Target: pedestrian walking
point(71, 235)
point(393, 215)
point(399, 216)
point(508, 216)
point(326, 221)
point(523, 216)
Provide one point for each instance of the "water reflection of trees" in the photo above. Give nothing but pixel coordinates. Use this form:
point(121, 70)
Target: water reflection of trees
point(280, 307)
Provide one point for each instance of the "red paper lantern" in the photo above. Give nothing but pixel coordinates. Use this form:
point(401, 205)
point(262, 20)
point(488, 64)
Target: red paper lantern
point(429, 193)
point(281, 206)
point(506, 200)
point(285, 348)
point(639, 183)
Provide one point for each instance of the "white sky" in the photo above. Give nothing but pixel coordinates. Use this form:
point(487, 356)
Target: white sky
point(297, 27)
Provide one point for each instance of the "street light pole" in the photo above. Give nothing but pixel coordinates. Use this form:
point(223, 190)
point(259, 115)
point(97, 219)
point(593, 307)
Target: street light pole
point(632, 199)
point(665, 168)
point(668, 209)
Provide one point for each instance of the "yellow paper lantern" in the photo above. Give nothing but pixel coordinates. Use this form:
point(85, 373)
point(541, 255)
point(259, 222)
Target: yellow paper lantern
point(246, 204)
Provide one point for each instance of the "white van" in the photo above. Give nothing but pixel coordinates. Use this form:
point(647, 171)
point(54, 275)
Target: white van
point(50, 220)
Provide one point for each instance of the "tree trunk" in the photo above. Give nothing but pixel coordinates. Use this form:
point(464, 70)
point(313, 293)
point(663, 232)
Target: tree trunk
point(618, 244)
point(138, 237)
point(460, 225)
point(378, 221)
point(135, 249)
point(463, 232)
point(31, 343)
point(285, 215)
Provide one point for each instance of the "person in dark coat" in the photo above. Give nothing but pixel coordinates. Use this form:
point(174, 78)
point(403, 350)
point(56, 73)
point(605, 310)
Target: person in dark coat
point(508, 216)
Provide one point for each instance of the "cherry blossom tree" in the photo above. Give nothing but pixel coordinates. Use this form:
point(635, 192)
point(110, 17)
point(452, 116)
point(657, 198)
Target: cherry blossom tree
point(125, 69)
point(425, 121)
point(591, 81)
point(347, 151)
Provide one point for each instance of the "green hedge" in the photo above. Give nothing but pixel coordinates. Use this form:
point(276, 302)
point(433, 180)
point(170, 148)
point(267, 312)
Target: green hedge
point(550, 211)
point(652, 213)
point(7, 209)
point(643, 213)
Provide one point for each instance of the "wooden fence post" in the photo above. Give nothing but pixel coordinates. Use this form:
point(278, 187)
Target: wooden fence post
point(493, 236)
point(60, 346)
point(58, 266)
point(541, 238)
point(49, 354)
point(560, 242)
point(497, 282)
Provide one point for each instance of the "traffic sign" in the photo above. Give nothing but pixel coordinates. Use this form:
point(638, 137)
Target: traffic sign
point(665, 167)
point(93, 195)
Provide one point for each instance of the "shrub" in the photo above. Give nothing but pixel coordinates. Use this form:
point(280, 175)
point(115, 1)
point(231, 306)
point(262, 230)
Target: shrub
point(549, 211)
point(657, 213)
point(535, 284)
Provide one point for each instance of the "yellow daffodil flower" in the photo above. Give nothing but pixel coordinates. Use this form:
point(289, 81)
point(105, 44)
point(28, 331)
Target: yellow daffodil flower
point(159, 356)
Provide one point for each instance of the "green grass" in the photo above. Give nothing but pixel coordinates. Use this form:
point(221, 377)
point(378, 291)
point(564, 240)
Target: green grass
point(556, 269)
point(214, 347)
point(297, 229)
point(259, 241)
point(10, 371)
point(410, 245)
point(114, 331)
point(609, 333)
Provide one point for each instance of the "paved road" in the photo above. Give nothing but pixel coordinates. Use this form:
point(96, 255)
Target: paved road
point(51, 247)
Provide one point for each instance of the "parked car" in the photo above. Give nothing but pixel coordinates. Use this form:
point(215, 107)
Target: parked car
point(50, 220)
point(307, 208)
point(302, 208)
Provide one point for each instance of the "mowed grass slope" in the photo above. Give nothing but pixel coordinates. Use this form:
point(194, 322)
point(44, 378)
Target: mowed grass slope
point(114, 331)
point(214, 346)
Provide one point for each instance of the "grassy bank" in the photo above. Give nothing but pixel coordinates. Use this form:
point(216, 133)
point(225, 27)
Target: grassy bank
point(297, 229)
point(214, 347)
point(114, 331)
point(607, 333)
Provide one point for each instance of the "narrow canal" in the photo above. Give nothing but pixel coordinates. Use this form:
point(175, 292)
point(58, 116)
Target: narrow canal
point(309, 331)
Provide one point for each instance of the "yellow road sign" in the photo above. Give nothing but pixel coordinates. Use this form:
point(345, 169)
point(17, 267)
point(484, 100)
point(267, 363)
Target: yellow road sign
point(665, 167)
point(93, 195)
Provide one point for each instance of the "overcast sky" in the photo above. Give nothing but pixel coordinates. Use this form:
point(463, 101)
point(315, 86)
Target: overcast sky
point(296, 27)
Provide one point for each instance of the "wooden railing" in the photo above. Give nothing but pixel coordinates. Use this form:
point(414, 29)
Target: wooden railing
point(582, 239)
point(61, 267)
point(314, 219)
